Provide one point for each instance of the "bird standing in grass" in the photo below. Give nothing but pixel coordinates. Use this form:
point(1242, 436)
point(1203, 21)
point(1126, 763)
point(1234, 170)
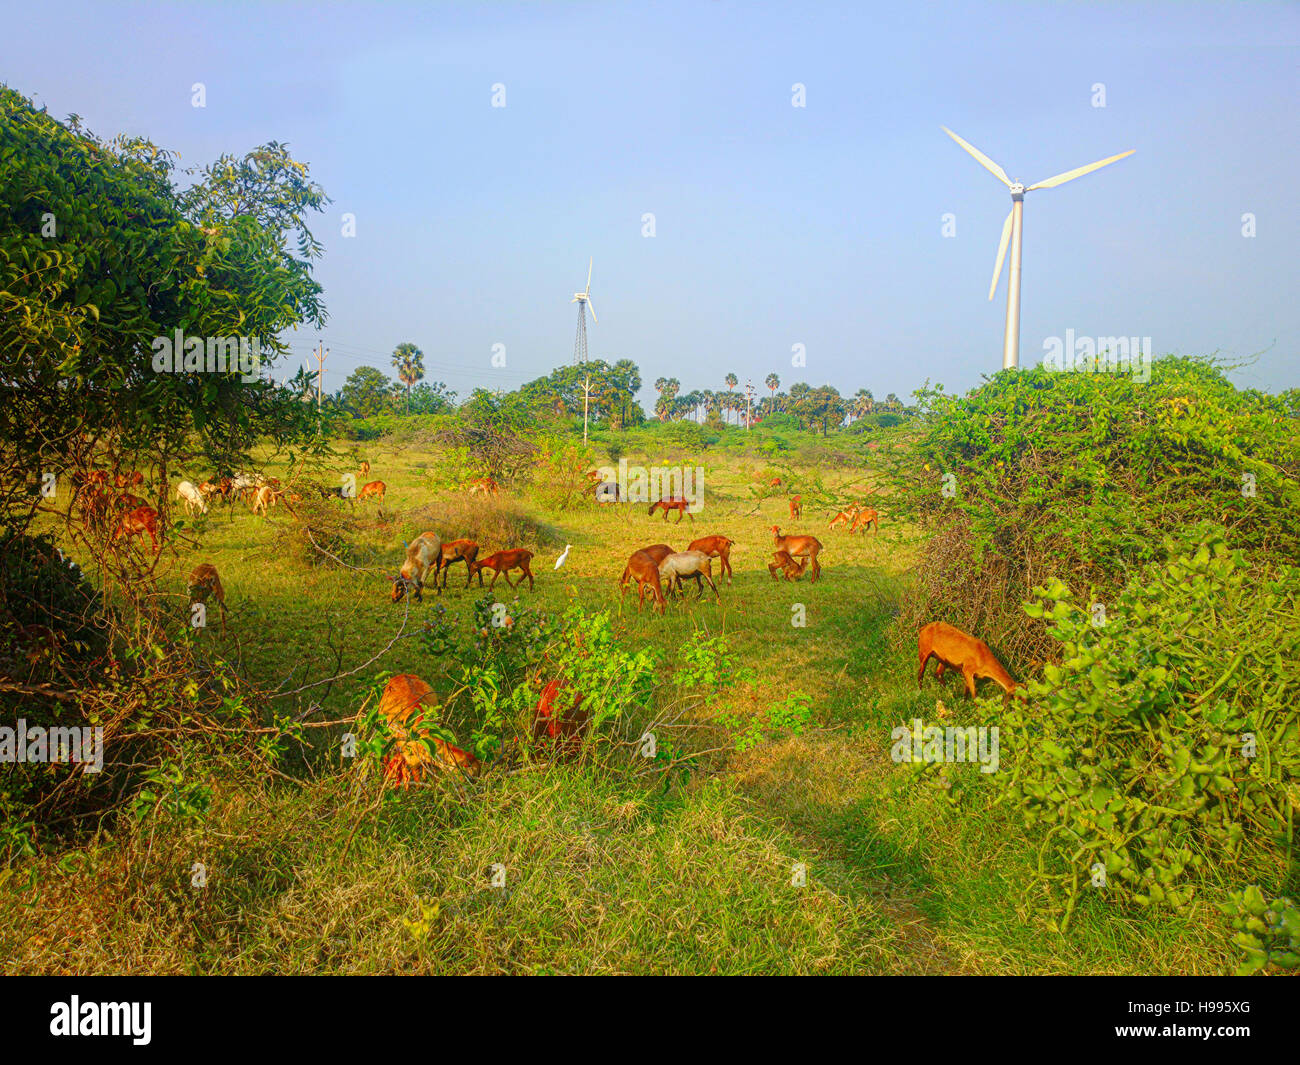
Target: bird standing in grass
point(561, 560)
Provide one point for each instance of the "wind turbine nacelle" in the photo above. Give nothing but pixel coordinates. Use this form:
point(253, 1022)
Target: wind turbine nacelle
point(1017, 189)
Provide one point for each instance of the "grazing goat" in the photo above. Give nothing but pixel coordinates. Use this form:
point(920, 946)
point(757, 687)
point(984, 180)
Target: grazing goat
point(796, 508)
point(203, 582)
point(374, 488)
point(140, 520)
point(219, 487)
point(484, 485)
point(192, 497)
point(679, 505)
point(791, 569)
point(694, 564)
point(264, 499)
point(421, 555)
point(957, 650)
point(365, 469)
point(657, 552)
point(560, 729)
point(845, 516)
point(718, 547)
point(457, 551)
point(799, 546)
point(501, 563)
point(865, 518)
point(404, 704)
point(645, 571)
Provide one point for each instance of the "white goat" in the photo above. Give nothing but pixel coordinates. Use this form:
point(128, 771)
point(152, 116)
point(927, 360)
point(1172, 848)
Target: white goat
point(192, 497)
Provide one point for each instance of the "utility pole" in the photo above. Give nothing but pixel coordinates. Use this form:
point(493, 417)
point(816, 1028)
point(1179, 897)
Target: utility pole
point(322, 353)
point(586, 401)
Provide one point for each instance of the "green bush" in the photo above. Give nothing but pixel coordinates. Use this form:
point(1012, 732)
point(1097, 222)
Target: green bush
point(1081, 476)
point(1163, 753)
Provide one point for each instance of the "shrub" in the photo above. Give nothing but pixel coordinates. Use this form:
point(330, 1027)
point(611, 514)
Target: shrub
point(494, 522)
point(1081, 476)
point(1164, 750)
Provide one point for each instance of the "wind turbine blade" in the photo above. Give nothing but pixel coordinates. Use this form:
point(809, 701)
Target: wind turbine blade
point(983, 159)
point(589, 262)
point(593, 311)
point(1002, 252)
point(1070, 175)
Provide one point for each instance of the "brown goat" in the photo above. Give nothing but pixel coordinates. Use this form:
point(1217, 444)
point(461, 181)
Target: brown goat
point(458, 551)
point(799, 546)
point(502, 562)
point(796, 508)
point(960, 651)
point(718, 547)
point(140, 520)
point(658, 552)
point(644, 569)
point(679, 505)
point(791, 569)
point(403, 707)
point(205, 581)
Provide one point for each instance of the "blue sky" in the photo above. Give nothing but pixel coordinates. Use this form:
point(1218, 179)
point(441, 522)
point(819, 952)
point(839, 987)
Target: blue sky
point(775, 225)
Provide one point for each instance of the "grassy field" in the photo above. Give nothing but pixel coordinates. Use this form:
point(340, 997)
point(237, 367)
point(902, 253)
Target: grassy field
point(608, 869)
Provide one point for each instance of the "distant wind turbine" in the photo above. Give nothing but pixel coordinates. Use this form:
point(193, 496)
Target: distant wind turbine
point(583, 300)
point(1011, 228)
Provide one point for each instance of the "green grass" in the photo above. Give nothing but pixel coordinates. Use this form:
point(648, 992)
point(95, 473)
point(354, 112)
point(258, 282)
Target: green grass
point(606, 871)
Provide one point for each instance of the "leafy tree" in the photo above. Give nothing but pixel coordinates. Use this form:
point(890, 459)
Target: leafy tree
point(425, 398)
point(773, 383)
point(365, 393)
point(102, 260)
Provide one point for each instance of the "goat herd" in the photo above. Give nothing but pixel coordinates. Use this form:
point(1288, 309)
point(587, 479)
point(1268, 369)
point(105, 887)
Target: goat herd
point(658, 570)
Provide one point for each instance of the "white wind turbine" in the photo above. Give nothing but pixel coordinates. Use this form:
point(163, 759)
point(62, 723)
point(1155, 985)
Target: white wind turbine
point(583, 300)
point(1011, 228)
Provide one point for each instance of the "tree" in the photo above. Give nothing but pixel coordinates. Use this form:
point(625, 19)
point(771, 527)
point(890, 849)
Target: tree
point(732, 380)
point(431, 399)
point(863, 402)
point(365, 393)
point(408, 361)
point(102, 261)
point(773, 383)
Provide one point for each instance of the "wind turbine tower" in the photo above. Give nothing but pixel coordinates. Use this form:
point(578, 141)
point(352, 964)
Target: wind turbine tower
point(583, 300)
point(1012, 229)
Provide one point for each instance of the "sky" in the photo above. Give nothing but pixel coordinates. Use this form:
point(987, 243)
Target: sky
point(774, 225)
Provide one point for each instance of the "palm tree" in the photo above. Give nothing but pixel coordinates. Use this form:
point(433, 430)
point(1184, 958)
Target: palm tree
point(773, 383)
point(891, 401)
point(408, 361)
point(863, 402)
